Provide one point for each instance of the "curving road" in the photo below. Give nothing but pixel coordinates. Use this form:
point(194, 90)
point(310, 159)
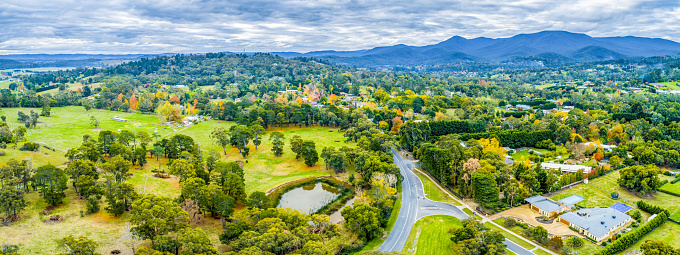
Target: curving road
point(414, 205)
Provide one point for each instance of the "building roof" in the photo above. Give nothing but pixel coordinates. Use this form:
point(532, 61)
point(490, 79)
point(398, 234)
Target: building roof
point(544, 203)
point(567, 168)
point(598, 221)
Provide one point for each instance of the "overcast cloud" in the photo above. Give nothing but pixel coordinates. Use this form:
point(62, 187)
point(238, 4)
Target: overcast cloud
point(192, 26)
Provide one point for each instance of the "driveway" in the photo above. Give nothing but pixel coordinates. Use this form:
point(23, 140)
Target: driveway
point(527, 215)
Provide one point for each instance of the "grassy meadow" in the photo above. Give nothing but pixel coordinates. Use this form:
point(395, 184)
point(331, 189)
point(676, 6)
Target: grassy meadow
point(65, 129)
point(430, 235)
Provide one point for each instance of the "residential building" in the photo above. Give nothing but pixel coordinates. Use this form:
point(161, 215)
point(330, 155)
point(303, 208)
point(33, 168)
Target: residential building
point(546, 206)
point(566, 168)
point(596, 223)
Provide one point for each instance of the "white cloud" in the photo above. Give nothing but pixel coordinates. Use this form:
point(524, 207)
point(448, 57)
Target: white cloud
point(152, 26)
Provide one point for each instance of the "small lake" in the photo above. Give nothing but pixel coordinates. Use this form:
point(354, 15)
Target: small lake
point(309, 198)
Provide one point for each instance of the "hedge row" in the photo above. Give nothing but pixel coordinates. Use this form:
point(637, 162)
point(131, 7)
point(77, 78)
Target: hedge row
point(632, 237)
point(651, 209)
point(517, 114)
point(513, 138)
point(675, 181)
point(672, 193)
point(627, 116)
point(446, 127)
point(46, 88)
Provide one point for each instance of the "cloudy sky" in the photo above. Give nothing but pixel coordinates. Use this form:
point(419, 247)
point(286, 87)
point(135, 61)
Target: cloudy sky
point(191, 26)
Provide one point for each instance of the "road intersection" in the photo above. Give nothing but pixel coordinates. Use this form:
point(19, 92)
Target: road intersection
point(414, 205)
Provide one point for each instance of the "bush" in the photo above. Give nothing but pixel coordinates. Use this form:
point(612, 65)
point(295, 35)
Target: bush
point(635, 214)
point(509, 222)
point(92, 205)
point(3, 152)
point(651, 209)
point(675, 181)
point(30, 147)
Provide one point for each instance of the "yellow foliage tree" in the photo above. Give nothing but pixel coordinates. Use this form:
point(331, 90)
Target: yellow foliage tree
point(492, 144)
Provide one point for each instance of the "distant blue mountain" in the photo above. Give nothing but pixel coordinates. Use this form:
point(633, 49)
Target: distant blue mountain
point(559, 46)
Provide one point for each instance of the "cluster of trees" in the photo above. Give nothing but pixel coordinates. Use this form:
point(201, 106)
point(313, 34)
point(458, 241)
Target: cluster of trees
point(475, 238)
point(641, 179)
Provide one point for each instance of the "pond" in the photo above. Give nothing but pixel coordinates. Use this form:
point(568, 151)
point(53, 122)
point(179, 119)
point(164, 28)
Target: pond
point(309, 198)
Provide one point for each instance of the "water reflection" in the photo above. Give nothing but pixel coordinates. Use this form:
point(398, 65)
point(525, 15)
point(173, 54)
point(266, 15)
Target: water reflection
point(309, 198)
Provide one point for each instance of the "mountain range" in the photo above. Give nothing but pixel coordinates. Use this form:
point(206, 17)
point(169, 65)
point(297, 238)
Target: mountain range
point(560, 46)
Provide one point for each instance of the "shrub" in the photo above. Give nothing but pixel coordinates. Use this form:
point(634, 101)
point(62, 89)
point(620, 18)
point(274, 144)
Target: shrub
point(30, 147)
point(651, 209)
point(574, 242)
point(3, 152)
point(509, 222)
point(675, 181)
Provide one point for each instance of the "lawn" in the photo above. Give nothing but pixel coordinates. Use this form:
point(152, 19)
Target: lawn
point(667, 232)
point(430, 235)
point(525, 153)
point(433, 192)
point(509, 236)
point(67, 125)
point(675, 188)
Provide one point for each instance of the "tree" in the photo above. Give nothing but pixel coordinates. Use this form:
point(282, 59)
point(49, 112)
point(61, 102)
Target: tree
point(221, 138)
point(241, 136)
point(259, 199)
point(158, 152)
point(234, 186)
point(484, 190)
point(195, 241)
point(539, 234)
point(563, 133)
point(11, 202)
point(117, 168)
point(81, 167)
point(308, 152)
point(156, 215)
point(658, 247)
point(574, 242)
point(119, 197)
point(78, 246)
point(555, 242)
point(131, 239)
point(296, 146)
point(258, 132)
point(363, 220)
point(182, 168)
point(52, 183)
point(94, 122)
point(640, 178)
point(278, 141)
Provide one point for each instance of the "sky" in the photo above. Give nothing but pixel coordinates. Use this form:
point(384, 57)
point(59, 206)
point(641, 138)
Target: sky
point(198, 26)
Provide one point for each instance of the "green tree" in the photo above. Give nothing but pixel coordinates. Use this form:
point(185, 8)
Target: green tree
point(156, 215)
point(78, 246)
point(309, 153)
point(259, 199)
point(563, 133)
point(658, 247)
point(241, 136)
point(540, 234)
point(195, 241)
point(257, 133)
point(11, 202)
point(182, 168)
point(296, 146)
point(278, 141)
point(221, 137)
point(234, 186)
point(484, 190)
point(363, 220)
point(52, 183)
point(117, 168)
point(158, 152)
point(640, 178)
point(119, 197)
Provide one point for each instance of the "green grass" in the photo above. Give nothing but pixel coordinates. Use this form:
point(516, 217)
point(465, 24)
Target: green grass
point(667, 232)
point(433, 192)
point(525, 153)
point(430, 235)
point(540, 252)
point(375, 243)
point(675, 188)
point(509, 236)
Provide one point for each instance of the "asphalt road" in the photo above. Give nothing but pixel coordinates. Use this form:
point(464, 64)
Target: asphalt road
point(414, 205)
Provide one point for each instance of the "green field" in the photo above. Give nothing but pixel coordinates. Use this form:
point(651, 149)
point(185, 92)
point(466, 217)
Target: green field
point(667, 232)
point(511, 237)
point(675, 188)
point(433, 192)
point(64, 130)
point(519, 154)
point(607, 184)
point(430, 235)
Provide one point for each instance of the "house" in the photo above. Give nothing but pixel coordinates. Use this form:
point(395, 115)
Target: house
point(522, 107)
point(116, 118)
point(596, 223)
point(566, 168)
point(546, 206)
